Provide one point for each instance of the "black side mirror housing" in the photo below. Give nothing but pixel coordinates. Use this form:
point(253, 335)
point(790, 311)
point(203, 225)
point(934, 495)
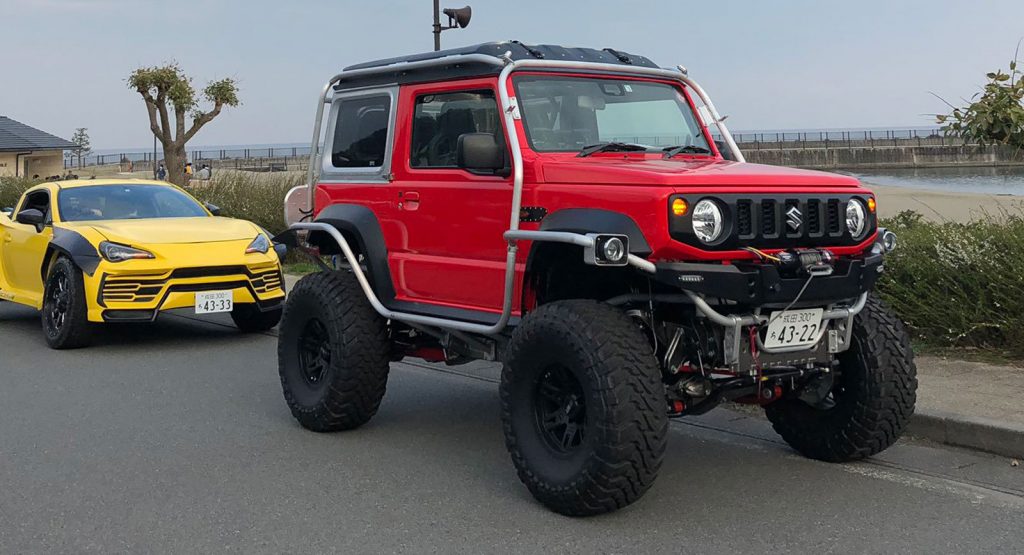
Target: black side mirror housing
point(31, 216)
point(725, 150)
point(213, 208)
point(479, 152)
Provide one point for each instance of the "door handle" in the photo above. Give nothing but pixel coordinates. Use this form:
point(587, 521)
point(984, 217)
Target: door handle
point(408, 200)
point(7, 238)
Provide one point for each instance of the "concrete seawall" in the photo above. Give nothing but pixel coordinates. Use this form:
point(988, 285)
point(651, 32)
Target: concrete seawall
point(820, 156)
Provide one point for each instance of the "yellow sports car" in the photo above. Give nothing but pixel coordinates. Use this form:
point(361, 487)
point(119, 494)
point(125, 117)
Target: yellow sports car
point(93, 251)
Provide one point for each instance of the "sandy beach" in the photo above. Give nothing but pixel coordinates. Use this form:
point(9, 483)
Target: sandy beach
point(943, 205)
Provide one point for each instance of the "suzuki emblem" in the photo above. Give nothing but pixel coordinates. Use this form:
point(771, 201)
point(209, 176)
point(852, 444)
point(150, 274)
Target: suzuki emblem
point(794, 218)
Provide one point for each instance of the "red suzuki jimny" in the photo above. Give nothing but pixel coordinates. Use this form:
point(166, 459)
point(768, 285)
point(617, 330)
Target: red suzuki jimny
point(585, 218)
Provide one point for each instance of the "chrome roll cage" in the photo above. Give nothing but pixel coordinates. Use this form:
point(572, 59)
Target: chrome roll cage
point(510, 110)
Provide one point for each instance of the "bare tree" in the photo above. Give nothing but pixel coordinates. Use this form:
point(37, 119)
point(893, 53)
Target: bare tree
point(168, 94)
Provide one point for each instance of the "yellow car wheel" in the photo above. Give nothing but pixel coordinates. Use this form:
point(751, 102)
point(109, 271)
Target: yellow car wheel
point(65, 312)
point(250, 319)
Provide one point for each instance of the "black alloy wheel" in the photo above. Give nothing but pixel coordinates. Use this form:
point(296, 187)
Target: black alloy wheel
point(314, 352)
point(58, 302)
point(560, 408)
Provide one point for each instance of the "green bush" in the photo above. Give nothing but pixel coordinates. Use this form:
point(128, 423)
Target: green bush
point(257, 197)
point(959, 284)
point(11, 189)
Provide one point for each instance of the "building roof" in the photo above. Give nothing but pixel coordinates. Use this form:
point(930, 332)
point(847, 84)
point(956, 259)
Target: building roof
point(18, 137)
point(515, 49)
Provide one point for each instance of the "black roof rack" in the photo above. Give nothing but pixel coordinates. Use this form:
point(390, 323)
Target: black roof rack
point(515, 49)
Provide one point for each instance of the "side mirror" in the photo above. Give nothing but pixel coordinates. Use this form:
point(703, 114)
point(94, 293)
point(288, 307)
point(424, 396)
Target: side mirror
point(725, 150)
point(30, 216)
point(213, 208)
point(479, 152)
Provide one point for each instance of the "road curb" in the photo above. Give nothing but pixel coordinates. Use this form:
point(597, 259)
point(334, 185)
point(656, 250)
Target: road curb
point(982, 434)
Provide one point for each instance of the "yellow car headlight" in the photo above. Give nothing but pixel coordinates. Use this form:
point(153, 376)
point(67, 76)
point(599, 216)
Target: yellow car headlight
point(116, 252)
point(260, 244)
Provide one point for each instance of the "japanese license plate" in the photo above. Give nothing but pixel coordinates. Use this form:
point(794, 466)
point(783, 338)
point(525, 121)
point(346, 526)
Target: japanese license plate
point(793, 328)
point(208, 302)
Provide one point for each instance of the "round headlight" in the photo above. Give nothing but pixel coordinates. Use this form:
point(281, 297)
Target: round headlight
point(707, 220)
point(855, 217)
point(613, 250)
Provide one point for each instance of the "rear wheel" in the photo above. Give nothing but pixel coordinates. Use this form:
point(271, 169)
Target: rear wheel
point(871, 399)
point(333, 353)
point(583, 408)
point(65, 311)
point(250, 319)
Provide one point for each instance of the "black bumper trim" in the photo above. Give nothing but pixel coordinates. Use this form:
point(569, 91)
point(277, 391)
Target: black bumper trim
point(760, 284)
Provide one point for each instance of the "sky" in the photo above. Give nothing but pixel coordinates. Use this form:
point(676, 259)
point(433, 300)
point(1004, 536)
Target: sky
point(768, 65)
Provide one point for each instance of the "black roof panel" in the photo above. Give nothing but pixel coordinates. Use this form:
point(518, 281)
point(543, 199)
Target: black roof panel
point(16, 136)
point(516, 49)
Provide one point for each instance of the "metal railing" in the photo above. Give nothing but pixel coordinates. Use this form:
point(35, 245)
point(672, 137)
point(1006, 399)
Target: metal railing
point(245, 158)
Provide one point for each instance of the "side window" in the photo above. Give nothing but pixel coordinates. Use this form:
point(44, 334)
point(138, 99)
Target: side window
point(439, 119)
point(39, 200)
point(361, 132)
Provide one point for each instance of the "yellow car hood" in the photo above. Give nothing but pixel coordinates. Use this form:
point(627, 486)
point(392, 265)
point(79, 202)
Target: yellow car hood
point(158, 231)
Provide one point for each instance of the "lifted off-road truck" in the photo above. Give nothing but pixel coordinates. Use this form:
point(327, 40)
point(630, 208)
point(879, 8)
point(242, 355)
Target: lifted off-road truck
point(584, 217)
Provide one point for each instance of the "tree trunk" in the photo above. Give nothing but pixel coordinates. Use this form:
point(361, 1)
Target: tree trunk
point(174, 161)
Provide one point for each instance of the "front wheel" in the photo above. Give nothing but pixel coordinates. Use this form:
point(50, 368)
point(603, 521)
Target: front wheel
point(871, 399)
point(65, 312)
point(583, 408)
point(250, 319)
point(333, 353)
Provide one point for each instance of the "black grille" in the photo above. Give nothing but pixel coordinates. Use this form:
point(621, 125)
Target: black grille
point(772, 221)
point(813, 217)
point(769, 227)
point(744, 219)
point(833, 217)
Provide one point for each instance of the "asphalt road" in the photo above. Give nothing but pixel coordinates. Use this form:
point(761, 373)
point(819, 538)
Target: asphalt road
point(175, 438)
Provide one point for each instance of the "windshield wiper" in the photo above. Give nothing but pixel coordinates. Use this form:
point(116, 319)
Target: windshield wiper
point(671, 151)
point(613, 146)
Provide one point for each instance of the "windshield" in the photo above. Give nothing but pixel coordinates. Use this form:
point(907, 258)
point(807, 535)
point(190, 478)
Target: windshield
point(125, 202)
point(569, 113)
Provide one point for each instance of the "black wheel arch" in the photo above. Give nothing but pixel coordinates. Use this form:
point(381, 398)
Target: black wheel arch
point(361, 228)
point(556, 271)
point(75, 247)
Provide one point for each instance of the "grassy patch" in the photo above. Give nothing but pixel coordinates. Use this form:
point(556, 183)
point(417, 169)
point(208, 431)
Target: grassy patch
point(257, 197)
point(300, 268)
point(959, 286)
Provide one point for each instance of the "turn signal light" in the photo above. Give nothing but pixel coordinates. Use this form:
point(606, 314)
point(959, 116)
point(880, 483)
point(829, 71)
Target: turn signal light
point(679, 207)
point(871, 204)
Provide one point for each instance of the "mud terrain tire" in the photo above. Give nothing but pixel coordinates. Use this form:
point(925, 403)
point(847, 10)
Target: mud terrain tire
point(586, 365)
point(333, 353)
point(65, 314)
point(873, 396)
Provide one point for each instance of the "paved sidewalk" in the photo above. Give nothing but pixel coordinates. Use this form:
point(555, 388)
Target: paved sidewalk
point(970, 404)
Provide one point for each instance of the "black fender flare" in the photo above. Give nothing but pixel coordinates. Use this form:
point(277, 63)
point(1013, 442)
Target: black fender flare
point(597, 220)
point(73, 245)
point(361, 228)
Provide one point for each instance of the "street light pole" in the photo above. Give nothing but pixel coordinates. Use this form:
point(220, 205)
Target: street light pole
point(437, 25)
point(457, 19)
